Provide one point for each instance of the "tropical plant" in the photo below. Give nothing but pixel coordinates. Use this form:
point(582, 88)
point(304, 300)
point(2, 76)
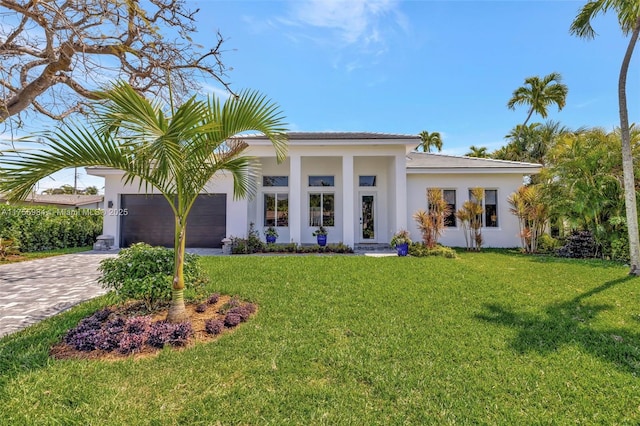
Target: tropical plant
point(583, 185)
point(429, 140)
point(539, 93)
point(478, 151)
point(271, 232)
point(176, 151)
point(629, 19)
point(400, 237)
point(431, 222)
point(320, 231)
point(531, 143)
point(528, 205)
point(470, 216)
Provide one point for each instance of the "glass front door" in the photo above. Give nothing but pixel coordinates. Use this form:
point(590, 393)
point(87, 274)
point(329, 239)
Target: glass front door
point(367, 218)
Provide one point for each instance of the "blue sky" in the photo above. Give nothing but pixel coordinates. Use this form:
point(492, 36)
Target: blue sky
point(407, 66)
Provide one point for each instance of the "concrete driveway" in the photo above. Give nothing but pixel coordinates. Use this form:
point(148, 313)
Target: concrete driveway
point(37, 289)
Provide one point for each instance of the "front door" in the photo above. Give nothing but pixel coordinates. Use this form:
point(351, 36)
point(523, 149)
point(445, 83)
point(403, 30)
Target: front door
point(368, 218)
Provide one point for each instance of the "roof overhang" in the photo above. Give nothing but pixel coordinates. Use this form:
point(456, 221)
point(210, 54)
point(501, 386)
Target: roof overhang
point(474, 170)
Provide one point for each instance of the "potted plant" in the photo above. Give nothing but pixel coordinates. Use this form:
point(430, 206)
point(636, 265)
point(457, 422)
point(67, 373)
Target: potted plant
point(321, 236)
point(271, 234)
point(401, 241)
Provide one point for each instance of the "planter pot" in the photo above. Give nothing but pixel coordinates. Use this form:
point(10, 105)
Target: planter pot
point(271, 239)
point(322, 240)
point(402, 249)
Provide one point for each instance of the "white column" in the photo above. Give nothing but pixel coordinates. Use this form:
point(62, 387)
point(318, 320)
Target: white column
point(348, 201)
point(295, 198)
point(401, 192)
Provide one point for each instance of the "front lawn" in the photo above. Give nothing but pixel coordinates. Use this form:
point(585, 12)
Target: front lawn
point(490, 338)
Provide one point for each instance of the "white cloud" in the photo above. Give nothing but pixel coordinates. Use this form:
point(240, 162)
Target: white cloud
point(355, 21)
point(363, 25)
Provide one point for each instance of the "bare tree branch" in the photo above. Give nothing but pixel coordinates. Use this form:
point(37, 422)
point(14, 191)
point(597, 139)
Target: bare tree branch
point(55, 53)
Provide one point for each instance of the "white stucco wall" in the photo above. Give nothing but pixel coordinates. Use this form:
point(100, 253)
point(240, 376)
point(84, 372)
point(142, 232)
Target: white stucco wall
point(507, 232)
point(398, 193)
point(379, 161)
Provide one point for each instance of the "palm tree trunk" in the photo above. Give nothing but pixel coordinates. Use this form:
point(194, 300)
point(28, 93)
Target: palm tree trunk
point(627, 159)
point(177, 312)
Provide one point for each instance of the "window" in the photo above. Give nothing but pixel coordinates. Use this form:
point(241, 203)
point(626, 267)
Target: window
point(276, 204)
point(276, 209)
point(321, 181)
point(450, 198)
point(275, 180)
point(321, 209)
point(490, 206)
point(366, 181)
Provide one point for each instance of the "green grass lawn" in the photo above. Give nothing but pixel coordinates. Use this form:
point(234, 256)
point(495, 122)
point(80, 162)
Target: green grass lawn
point(490, 338)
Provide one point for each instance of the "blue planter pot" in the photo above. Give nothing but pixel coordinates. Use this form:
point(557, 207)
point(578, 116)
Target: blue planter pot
point(271, 239)
point(403, 249)
point(322, 240)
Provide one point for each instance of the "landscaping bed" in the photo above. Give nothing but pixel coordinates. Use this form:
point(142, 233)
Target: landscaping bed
point(129, 330)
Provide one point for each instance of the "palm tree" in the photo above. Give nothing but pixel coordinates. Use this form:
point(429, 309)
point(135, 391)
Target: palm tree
point(532, 143)
point(176, 151)
point(539, 94)
point(429, 140)
point(477, 151)
point(629, 18)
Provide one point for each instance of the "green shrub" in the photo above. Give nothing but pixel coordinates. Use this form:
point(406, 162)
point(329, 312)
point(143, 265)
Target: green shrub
point(7, 248)
point(548, 244)
point(251, 244)
point(47, 228)
point(420, 250)
point(144, 273)
point(620, 249)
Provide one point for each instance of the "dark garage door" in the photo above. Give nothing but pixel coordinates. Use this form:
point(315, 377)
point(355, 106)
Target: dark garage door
point(149, 219)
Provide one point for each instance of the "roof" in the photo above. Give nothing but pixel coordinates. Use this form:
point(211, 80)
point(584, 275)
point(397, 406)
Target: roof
point(338, 138)
point(325, 136)
point(426, 162)
point(62, 199)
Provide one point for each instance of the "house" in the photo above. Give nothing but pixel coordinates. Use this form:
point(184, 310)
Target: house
point(61, 201)
point(362, 187)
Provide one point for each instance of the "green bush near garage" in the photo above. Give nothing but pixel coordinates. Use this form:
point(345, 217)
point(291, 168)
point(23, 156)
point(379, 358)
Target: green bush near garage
point(47, 228)
point(143, 272)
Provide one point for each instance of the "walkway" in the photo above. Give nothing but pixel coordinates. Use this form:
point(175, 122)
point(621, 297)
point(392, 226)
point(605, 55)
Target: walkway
point(37, 289)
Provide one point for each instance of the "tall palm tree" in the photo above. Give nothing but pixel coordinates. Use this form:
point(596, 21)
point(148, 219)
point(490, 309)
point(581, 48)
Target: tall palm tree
point(477, 151)
point(629, 18)
point(538, 94)
point(177, 151)
point(429, 140)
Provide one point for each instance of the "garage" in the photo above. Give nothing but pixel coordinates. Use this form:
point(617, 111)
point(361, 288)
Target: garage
point(149, 219)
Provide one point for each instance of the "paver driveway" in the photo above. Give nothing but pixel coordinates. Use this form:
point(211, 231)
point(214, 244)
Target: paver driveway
point(37, 289)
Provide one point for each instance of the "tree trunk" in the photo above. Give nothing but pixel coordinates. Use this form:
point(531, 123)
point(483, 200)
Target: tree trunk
point(627, 159)
point(177, 312)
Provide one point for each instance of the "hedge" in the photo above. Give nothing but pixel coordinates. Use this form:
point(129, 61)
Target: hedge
point(48, 228)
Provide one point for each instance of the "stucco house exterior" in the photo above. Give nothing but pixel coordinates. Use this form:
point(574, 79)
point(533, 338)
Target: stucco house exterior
point(362, 187)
